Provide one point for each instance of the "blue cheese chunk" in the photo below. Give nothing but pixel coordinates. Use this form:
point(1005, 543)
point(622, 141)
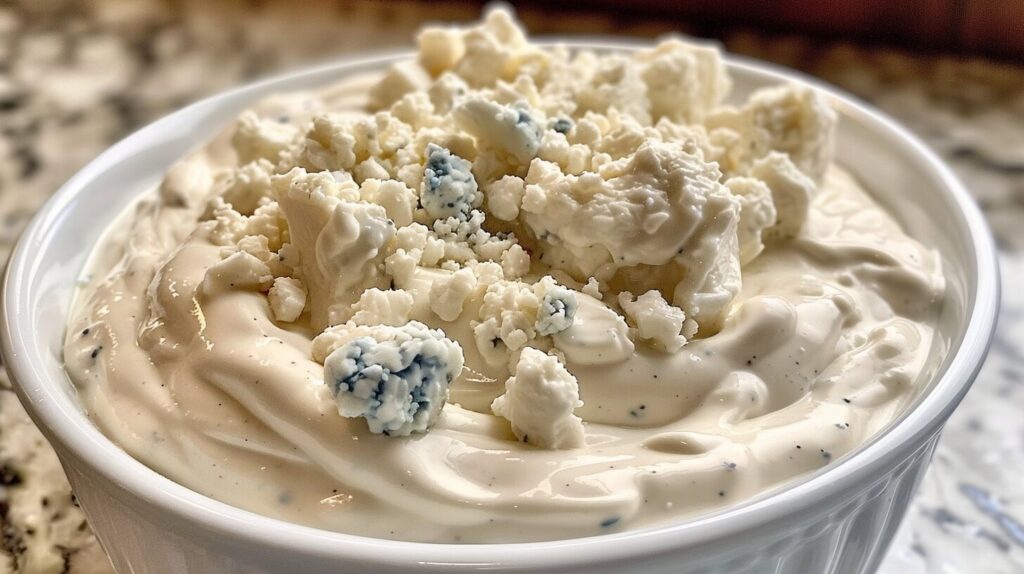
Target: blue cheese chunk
point(449, 188)
point(557, 310)
point(396, 378)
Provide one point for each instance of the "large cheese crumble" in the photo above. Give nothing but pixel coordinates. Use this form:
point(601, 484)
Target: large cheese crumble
point(502, 292)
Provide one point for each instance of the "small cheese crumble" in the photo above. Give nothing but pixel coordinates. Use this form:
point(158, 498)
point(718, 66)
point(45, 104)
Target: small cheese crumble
point(656, 321)
point(539, 401)
point(287, 299)
point(448, 295)
point(239, 270)
point(513, 314)
point(378, 307)
point(449, 188)
point(557, 309)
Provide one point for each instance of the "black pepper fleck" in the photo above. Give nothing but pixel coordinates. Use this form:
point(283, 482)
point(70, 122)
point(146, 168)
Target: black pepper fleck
point(9, 476)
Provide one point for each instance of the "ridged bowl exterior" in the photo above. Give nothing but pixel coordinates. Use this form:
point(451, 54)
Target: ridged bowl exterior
point(849, 537)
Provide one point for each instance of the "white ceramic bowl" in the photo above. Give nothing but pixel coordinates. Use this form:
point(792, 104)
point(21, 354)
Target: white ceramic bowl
point(840, 519)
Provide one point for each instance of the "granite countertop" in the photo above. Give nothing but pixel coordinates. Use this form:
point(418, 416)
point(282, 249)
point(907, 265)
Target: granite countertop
point(74, 77)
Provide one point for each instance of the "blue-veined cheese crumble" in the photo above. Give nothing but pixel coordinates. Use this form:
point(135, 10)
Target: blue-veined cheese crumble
point(449, 188)
point(396, 378)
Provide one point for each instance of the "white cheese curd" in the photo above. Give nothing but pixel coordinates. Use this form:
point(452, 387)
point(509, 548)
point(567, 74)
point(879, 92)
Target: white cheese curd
point(539, 401)
point(378, 307)
point(448, 294)
point(287, 299)
point(657, 321)
point(503, 292)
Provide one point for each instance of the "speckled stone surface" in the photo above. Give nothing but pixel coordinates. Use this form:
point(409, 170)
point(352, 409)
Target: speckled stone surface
point(74, 77)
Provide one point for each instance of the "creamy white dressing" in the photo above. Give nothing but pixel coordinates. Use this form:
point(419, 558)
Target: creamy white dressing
point(828, 339)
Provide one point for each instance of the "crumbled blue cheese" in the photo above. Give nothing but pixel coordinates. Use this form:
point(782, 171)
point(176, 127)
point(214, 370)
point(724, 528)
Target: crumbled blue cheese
point(663, 325)
point(613, 84)
point(514, 313)
point(440, 49)
point(539, 401)
point(592, 288)
point(492, 49)
point(462, 228)
point(446, 92)
point(504, 196)
point(237, 271)
point(245, 188)
point(791, 190)
point(415, 246)
point(557, 309)
point(371, 169)
point(661, 203)
point(259, 138)
point(510, 130)
point(397, 199)
point(606, 164)
point(757, 213)
point(400, 79)
point(684, 80)
point(341, 243)
point(259, 247)
point(287, 298)
point(449, 188)
point(396, 378)
point(230, 226)
point(791, 119)
point(380, 307)
point(448, 294)
point(515, 262)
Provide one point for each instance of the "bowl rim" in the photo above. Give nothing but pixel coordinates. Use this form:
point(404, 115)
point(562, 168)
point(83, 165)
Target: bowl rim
point(78, 438)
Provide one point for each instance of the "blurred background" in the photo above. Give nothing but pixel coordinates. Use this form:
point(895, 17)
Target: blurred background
point(77, 76)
